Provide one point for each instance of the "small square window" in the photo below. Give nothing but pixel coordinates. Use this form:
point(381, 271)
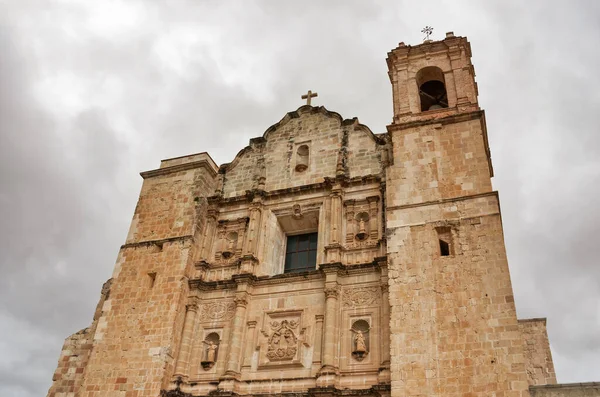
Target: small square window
point(301, 253)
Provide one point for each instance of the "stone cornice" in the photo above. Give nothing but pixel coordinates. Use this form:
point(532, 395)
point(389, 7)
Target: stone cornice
point(158, 243)
point(314, 187)
point(179, 168)
point(443, 201)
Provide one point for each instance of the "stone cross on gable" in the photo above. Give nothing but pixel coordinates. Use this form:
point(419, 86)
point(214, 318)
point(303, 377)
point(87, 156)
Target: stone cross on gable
point(308, 96)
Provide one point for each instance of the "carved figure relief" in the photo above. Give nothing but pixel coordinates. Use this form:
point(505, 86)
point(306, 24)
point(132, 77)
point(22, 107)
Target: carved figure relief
point(283, 342)
point(364, 296)
point(214, 311)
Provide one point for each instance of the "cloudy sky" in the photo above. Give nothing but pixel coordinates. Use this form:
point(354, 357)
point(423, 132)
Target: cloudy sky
point(93, 92)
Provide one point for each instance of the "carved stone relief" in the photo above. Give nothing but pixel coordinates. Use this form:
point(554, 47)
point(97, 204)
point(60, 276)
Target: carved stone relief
point(230, 240)
point(217, 311)
point(283, 342)
point(363, 296)
point(283, 338)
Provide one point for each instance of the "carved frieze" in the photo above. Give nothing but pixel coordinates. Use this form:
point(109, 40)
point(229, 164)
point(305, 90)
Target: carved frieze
point(363, 296)
point(217, 311)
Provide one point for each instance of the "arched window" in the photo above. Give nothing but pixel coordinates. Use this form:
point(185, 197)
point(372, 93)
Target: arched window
point(432, 88)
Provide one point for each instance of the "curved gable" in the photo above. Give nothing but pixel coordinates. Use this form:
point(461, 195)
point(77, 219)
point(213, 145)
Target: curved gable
point(303, 148)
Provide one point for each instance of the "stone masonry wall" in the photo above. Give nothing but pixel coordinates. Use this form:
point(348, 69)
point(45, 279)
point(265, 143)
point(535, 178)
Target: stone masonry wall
point(453, 327)
point(75, 354)
point(140, 326)
point(540, 368)
point(438, 161)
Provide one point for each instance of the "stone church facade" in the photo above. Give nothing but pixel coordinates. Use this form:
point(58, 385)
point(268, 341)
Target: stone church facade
point(324, 260)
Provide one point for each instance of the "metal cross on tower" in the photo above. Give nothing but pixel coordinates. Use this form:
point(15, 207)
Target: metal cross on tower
point(427, 30)
point(308, 96)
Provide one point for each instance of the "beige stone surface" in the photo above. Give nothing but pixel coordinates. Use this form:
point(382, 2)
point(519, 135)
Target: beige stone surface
point(411, 294)
point(591, 389)
point(538, 357)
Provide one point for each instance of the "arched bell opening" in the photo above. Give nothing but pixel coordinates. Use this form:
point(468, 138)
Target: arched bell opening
point(432, 88)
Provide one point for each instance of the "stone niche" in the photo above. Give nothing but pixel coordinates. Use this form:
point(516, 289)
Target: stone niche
point(360, 328)
point(283, 339)
point(230, 240)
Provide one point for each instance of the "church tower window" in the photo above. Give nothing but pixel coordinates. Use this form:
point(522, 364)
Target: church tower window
point(432, 88)
point(301, 253)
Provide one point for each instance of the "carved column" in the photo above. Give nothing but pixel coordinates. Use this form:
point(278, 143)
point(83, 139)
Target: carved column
point(250, 343)
point(209, 233)
point(318, 339)
point(333, 251)
point(330, 339)
point(249, 260)
point(349, 221)
point(336, 216)
point(181, 369)
point(374, 217)
point(237, 333)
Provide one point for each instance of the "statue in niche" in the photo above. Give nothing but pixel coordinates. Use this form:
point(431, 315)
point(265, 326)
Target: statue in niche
point(211, 352)
point(362, 218)
point(212, 348)
point(230, 242)
point(360, 340)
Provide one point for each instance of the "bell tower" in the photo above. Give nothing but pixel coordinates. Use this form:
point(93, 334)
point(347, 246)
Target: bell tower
point(453, 327)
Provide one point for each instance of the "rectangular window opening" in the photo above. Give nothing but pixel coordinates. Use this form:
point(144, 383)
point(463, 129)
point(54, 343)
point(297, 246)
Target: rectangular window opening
point(445, 240)
point(152, 277)
point(301, 253)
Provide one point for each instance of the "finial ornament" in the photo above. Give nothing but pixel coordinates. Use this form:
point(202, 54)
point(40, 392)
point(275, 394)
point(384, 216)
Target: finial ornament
point(309, 95)
point(427, 30)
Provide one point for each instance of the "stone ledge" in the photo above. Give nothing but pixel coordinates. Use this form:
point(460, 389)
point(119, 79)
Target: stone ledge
point(180, 167)
point(584, 385)
point(443, 201)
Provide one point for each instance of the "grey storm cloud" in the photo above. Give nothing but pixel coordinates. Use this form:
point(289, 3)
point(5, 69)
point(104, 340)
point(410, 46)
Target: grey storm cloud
point(91, 93)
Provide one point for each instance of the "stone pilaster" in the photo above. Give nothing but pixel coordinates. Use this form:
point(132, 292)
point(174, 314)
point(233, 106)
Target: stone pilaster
point(183, 360)
point(250, 347)
point(208, 238)
point(249, 258)
point(237, 334)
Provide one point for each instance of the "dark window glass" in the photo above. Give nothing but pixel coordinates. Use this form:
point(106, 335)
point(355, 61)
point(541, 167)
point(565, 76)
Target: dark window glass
point(301, 253)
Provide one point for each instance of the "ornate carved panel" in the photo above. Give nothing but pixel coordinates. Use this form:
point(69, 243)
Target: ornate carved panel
point(360, 297)
point(217, 311)
point(283, 337)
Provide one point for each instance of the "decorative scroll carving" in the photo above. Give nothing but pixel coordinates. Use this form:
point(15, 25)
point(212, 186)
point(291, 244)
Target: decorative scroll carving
point(283, 342)
point(217, 311)
point(365, 296)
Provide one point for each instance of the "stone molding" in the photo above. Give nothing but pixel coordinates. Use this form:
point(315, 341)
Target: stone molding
point(179, 168)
